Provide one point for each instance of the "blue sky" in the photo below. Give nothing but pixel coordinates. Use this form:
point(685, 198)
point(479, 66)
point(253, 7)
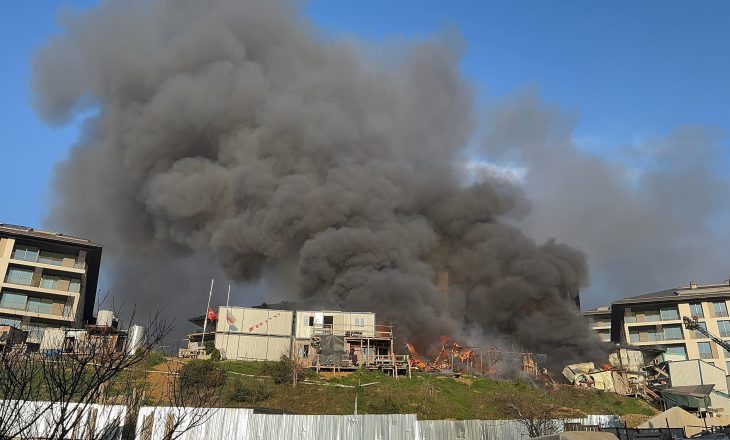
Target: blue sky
point(629, 69)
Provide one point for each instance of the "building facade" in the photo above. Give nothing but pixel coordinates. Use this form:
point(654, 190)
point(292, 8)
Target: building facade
point(599, 320)
point(655, 319)
point(48, 280)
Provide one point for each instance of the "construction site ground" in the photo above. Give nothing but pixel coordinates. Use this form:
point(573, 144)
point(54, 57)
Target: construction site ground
point(430, 396)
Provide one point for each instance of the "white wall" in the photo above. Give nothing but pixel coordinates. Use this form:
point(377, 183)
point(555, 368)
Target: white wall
point(343, 321)
point(255, 321)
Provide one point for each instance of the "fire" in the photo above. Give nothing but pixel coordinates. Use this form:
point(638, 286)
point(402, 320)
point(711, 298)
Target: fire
point(416, 359)
point(456, 358)
point(450, 351)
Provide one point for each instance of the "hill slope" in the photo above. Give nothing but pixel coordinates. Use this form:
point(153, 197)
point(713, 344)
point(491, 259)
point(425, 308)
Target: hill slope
point(429, 396)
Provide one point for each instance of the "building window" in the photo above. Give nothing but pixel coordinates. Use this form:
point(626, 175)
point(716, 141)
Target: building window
point(49, 281)
point(74, 285)
point(328, 321)
point(311, 321)
point(673, 332)
point(54, 258)
point(360, 322)
point(705, 350)
point(25, 253)
point(724, 328)
point(676, 351)
point(13, 322)
point(35, 330)
point(669, 313)
point(727, 365)
point(40, 305)
point(630, 316)
point(720, 309)
point(19, 276)
point(696, 310)
point(13, 301)
point(696, 334)
point(652, 315)
point(634, 336)
point(67, 308)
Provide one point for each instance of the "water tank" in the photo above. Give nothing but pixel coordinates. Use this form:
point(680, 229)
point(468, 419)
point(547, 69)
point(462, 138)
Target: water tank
point(135, 335)
point(105, 317)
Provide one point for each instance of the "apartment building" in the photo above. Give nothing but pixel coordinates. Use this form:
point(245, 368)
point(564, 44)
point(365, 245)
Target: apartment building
point(599, 320)
point(655, 319)
point(47, 279)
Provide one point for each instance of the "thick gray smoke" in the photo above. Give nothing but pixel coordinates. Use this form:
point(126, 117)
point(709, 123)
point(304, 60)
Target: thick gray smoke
point(652, 218)
point(231, 134)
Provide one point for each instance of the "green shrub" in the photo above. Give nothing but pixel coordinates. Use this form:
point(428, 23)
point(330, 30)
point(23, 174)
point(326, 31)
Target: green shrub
point(152, 359)
point(198, 374)
point(209, 347)
point(215, 355)
point(284, 370)
point(242, 391)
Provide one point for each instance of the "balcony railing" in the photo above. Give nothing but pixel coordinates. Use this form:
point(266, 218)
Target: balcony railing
point(366, 331)
point(367, 361)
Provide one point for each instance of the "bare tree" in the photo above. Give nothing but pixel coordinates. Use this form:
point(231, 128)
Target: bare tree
point(20, 384)
point(537, 415)
point(188, 395)
point(95, 385)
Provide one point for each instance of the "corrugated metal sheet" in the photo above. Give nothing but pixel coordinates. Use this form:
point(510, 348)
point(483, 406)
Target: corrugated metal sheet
point(685, 373)
point(153, 423)
point(309, 427)
point(493, 429)
point(95, 421)
point(713, 375)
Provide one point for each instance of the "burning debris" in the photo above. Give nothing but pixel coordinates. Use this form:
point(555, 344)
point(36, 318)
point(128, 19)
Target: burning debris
point(231, 135)
point(453, 357)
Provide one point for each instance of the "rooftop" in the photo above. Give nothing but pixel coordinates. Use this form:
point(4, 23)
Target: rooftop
point(603, 310)
point(680, 294)
point(25, 231)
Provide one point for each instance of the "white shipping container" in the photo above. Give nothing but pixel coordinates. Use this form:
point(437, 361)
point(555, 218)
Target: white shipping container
point(252, 347)
point(255, 321)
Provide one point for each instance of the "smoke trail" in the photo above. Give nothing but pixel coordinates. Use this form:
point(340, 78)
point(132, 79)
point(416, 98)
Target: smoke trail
point(233, 133)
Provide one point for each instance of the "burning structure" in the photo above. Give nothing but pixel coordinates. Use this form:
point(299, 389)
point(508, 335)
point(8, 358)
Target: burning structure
point(455, 358)
point(230, 135)
point(318, 339)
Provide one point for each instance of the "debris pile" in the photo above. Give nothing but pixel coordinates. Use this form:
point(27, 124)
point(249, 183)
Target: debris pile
point(453, 357)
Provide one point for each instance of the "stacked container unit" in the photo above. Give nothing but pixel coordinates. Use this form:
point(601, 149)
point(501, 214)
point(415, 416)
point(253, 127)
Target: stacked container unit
point(244, 333)
point(698, 372)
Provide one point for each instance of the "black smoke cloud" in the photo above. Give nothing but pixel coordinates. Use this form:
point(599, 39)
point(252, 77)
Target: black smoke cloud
point(230, 134)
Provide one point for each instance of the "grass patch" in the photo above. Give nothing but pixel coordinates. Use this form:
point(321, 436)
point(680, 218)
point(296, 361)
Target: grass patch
point(429, 396)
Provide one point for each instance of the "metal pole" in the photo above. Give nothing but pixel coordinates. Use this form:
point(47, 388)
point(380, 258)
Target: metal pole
point(228, 326)
point(205, 323)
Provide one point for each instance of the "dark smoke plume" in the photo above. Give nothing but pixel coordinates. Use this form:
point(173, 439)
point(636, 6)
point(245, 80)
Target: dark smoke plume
point(230, 134)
